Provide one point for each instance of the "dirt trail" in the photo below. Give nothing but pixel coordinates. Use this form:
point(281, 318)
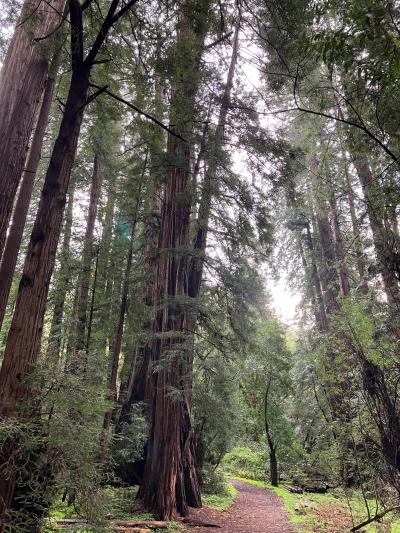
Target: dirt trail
point(256, 510)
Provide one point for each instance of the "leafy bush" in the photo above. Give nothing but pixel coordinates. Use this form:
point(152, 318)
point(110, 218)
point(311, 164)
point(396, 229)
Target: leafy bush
point(246, 463)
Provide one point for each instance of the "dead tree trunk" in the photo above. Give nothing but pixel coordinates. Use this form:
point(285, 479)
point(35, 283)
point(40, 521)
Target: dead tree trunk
point(21, 84)
point(10, 255)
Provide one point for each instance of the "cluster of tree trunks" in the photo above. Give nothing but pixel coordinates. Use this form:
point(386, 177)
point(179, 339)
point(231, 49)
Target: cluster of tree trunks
point(27, 63)
point(329, 281)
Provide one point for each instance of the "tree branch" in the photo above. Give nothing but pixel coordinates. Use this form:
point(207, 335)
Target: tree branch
point(138, 110)
point(110, 19)
point(343, 120)
point(378, 516)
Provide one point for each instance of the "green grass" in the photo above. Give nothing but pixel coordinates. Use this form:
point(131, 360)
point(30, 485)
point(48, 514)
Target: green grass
point(117, 504)
point(303, 516)
point(223, 501)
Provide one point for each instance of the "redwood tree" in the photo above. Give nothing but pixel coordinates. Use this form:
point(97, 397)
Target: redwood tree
point(21, 84)
point(24, 338)
point(170, 482)
point(10, 255)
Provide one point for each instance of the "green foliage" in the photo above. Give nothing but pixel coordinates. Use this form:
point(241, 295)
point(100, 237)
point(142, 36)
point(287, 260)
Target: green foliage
point(244, 462)
point(222, 499)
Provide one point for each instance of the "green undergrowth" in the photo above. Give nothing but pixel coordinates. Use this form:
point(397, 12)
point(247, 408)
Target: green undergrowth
point(116, 503)
point(304, 510)
point(221, 500)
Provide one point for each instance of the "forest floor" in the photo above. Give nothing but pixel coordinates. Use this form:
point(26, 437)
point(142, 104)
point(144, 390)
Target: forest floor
point(256, 510)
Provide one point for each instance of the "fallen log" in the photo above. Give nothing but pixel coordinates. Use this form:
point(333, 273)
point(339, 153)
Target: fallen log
point(130, 529)
point(294, 490)
point(116, 525)
point(153, 524)
point(71, 521)
point(115, 528)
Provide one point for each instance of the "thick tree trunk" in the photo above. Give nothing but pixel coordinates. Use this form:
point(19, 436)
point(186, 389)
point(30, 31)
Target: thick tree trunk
point(21, 84)
point(164, 489)
point(23, 342)
point(162, 377)
point(10, 255)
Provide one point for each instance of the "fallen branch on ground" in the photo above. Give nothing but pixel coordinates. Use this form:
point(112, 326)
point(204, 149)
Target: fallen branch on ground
point(117, 525)
point(374, 518)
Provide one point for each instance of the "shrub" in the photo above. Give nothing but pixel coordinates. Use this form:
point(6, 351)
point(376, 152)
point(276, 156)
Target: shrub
point(244, 462)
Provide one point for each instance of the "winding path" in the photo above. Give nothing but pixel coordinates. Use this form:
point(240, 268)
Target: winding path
point(256, 510)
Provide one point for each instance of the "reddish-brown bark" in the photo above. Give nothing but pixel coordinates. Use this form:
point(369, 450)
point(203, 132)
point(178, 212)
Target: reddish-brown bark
point(10, 254)
point(21, 84)
point(170, 482)
point(23, 342)
point(387, 258)
point(24, 338)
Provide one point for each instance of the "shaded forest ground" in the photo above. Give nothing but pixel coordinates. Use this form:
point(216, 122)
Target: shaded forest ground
point(262, 509)
point(255, 510)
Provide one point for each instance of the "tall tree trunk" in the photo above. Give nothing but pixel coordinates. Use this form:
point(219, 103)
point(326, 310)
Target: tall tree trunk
point(106, 265)
point(87, 259)
point(21, 84)
point(361, 268)
point(316, 282)
point(387, 258)
point(24, 338)
point(62, 284)
point(116, 349)
point(13, 243)
point(339, 248)
point(170, 482)
point(120, 329)
point(23, 342)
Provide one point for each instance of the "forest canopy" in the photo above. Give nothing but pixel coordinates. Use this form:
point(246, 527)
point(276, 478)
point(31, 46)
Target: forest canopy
point(162, 164)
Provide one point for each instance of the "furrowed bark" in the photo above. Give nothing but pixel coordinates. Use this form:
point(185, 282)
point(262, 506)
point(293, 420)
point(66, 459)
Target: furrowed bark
point(170, 482)
point(25, 335)
point(13, 243)
point(23, 342)
point(21, 85)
